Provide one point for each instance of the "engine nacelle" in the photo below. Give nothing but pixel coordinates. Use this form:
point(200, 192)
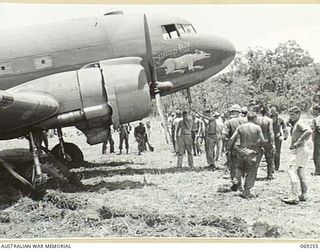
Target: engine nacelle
point(127, 92)
point(95, 97)
point(127, 89)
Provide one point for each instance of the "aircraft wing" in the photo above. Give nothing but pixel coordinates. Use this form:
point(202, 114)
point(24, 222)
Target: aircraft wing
point(22, 109)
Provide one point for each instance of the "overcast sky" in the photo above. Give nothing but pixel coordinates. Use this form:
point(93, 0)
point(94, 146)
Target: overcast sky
point(244, 25)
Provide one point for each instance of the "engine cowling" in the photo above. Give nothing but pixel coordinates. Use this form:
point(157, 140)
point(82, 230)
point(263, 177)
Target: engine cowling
point(127, 94)
point(100, 94)
point(127, 89)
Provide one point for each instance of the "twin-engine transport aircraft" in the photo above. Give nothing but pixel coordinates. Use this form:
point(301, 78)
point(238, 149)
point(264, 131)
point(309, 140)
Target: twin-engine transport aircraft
point(92, 73)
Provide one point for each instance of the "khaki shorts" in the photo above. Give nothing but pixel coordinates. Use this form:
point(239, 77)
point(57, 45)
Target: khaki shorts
point(299, 156)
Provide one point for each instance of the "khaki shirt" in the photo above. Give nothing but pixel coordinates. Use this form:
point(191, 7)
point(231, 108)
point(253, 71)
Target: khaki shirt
point(231, 125)
point(176, 124)
point(210, 126)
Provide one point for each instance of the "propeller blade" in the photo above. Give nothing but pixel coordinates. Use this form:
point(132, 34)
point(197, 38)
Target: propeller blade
point(153, 74)
point(163, 118)
point(149, 51)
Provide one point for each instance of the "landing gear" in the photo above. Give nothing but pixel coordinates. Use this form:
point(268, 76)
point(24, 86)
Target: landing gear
point(72, 156)
point(33, 178)
point(37, 176)
point(67, 153)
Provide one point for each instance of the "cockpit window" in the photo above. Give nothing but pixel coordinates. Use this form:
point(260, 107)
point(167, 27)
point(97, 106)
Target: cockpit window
point(180, 29)
point(188, 28)
point(172, 31)
point(169, 31)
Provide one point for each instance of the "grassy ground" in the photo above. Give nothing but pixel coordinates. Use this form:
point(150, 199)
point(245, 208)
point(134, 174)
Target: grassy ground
point(146, 196)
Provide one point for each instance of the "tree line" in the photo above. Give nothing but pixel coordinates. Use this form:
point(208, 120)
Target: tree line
point(284, 76)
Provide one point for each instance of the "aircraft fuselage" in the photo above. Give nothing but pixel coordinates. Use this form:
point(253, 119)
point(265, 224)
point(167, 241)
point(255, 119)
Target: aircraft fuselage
point(33, 52)
point(59, 62)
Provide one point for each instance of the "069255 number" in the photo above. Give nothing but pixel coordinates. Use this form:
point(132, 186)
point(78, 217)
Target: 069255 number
point(309, 246)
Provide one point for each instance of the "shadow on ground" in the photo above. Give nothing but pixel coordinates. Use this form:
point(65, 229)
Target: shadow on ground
point(89, 173)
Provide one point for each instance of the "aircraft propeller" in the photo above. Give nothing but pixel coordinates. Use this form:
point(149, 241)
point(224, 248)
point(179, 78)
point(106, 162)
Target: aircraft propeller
point(154, 83)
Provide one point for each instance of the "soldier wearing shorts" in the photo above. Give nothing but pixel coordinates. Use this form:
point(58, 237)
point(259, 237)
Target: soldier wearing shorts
point(300, 133)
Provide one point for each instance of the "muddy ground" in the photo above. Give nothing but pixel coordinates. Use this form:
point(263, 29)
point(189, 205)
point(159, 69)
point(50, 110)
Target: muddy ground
point(146, 196)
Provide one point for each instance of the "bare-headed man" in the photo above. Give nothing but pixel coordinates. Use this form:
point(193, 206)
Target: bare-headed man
point(266, 124)
point(280, 133)
point(300, 133)
point(248, 152)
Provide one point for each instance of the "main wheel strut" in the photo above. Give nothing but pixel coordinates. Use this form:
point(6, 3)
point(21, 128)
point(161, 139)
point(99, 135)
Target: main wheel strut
point(37, 166)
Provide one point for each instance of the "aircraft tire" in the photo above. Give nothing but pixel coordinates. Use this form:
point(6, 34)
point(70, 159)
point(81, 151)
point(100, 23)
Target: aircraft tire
point(73, 151)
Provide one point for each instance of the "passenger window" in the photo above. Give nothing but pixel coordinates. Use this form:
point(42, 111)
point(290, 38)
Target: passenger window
point(169, 31)
point(189, 28)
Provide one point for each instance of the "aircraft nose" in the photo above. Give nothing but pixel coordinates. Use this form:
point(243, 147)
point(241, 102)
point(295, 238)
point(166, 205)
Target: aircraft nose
point(222, 51)
point(228, 49)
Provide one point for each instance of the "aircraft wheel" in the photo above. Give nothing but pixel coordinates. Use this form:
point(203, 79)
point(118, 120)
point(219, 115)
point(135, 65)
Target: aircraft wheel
point(73, 152)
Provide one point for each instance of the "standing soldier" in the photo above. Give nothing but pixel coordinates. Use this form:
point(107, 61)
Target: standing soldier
point(184, 139)
point(248, 152)
point(299, 156)
point(266, 124)
point(316, 138)
point(218, 145)
point(280, 133)
point(210, 137)
point(194, 134)
point(224, 117)
point(171, 127)
point(175, 125)
point(140, 134)
point(230, 127)
point(111, 142)
point(147, 137)
point(124, 131)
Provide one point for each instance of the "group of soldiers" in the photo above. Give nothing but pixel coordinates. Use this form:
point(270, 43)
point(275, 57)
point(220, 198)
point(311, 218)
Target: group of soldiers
point(141, 135)
point(246, 138)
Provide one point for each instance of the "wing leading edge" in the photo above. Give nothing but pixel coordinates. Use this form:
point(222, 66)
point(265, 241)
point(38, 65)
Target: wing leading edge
point(22, 109)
